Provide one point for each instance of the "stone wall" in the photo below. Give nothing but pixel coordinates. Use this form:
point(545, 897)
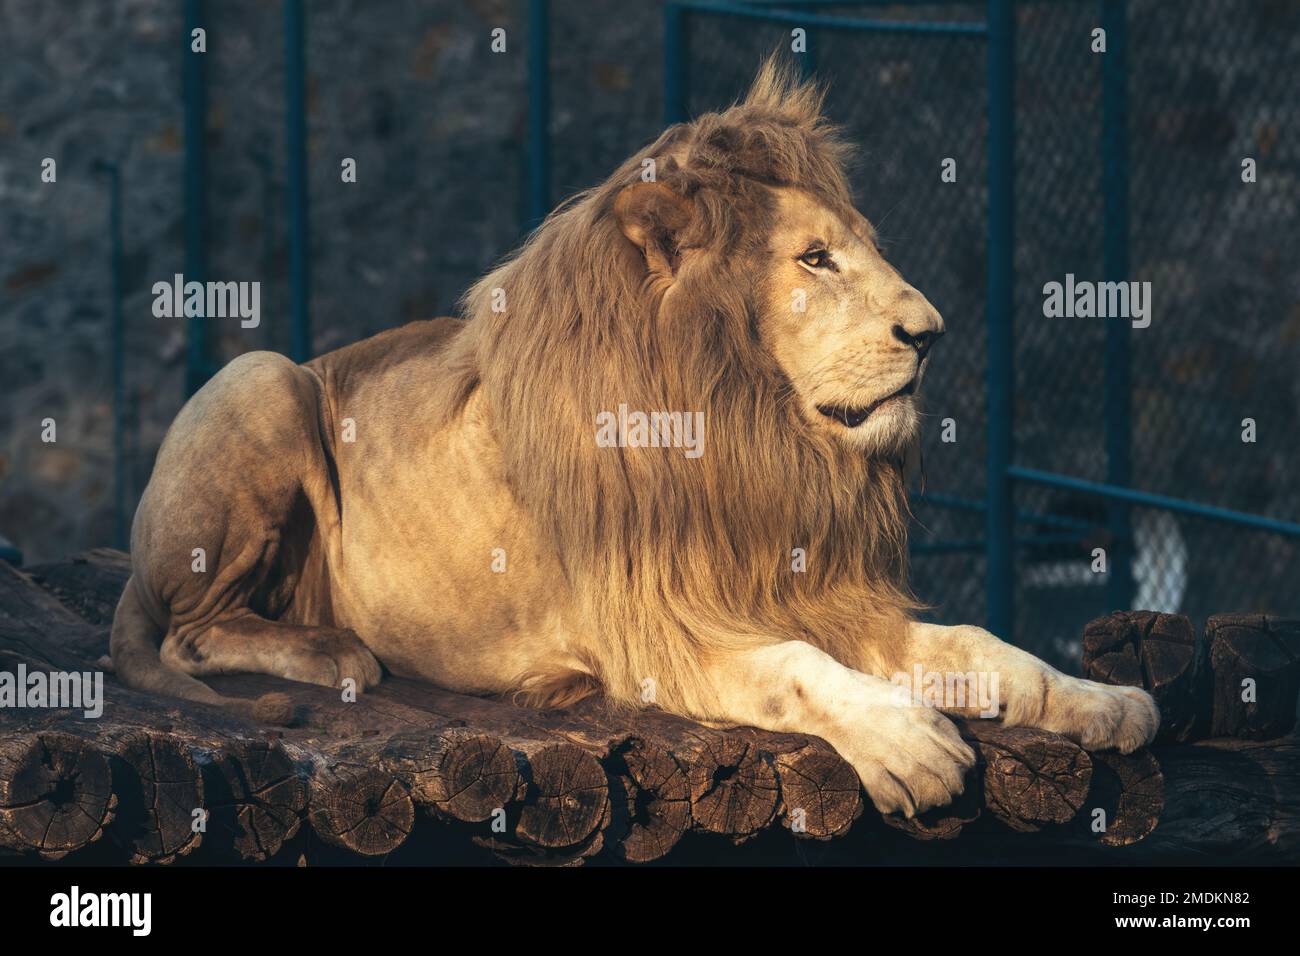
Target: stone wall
point(436, 122)
point(412, 91)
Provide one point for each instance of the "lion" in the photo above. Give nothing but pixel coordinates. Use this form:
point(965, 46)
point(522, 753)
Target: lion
point(436, 498)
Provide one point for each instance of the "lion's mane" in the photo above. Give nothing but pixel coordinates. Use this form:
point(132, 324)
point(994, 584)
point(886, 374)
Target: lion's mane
point(672, 559)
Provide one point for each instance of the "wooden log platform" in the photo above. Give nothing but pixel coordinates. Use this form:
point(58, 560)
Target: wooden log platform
point(412, 773)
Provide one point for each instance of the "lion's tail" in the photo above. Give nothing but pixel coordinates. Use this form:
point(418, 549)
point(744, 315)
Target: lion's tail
point(133, 648)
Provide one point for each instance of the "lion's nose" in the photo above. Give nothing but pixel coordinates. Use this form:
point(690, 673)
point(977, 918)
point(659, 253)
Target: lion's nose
point(921, 340)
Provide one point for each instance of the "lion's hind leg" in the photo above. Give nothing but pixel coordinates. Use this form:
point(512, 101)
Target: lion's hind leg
point(246, 643)
point(234, 528)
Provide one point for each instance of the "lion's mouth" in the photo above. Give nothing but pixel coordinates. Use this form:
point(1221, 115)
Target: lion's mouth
point(851, 417)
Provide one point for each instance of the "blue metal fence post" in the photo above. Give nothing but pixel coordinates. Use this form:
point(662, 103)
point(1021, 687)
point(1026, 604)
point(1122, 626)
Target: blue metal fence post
point(676, 53)
point(1001, 381)
point(539, 112)
point(1114, 78)
point(295, 72)
point(196, 211)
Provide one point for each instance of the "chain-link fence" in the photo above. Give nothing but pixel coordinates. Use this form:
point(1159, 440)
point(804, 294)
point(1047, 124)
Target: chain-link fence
point(1127, 169)
point(451, 168)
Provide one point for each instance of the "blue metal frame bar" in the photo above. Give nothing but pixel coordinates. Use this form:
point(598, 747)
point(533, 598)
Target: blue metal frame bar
point(539, 111)
point(808, 59)
point(1115, 188)
point(999, 557)
point(956, 546)
point(976, 504)
point(295, 74)
point(999, 542)
point(195, 93)
point(676, 64)
point(976, 545)
point(830, 22)
point(1148, 499)
point(865, 3)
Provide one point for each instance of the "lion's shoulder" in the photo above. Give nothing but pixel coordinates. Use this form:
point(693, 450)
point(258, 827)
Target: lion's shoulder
point(384, 350)
point(412, 372)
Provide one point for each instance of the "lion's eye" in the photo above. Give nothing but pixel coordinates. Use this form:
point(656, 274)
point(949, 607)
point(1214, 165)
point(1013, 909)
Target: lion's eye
point(816, 258)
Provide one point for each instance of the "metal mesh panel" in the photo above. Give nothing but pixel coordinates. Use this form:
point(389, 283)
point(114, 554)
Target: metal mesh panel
point(1059, 362)
point(1210, 88)
point(1209, 84)
point(1207, 88)
point(1182, 563)
point(398, 244)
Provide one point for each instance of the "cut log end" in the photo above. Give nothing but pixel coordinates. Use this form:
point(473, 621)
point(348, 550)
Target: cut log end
point(56, 794)
point(820, 793)
point(160, 813)
point(362, 808)
point(733, 789)
point(1255, 660)
point(255, 800)
point(1031, 778)
point(941, 823)
point(1157, 652)
point(567, 799)
point(1125, 799)
point(651, 802)
point(456, 774)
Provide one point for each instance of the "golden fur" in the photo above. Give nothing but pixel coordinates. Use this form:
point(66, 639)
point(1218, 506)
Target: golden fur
point(683, 557)
point(644, 573)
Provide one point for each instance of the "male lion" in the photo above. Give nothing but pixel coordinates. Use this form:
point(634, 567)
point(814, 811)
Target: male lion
point(436, 498)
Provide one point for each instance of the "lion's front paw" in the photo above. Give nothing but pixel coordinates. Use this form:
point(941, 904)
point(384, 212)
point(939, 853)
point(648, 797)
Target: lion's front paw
point(1101, 716)
point(336, 656)
point(910, 759)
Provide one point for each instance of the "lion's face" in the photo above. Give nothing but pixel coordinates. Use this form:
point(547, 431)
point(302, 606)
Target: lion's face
point(852, 336)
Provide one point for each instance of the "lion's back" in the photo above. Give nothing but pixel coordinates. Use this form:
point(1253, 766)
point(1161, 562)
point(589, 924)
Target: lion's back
point(379, 353)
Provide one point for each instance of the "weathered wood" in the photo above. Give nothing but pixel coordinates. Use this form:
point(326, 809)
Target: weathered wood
point(651, 801)
point(89, 583)
point(565, 809)
point(56, 793)
point(1126, 798)
point(941, 823)
point(1255, 661)
point(161, 811)
point(1030, 778)
point(254, 797)
point(457, 774)
point(357, 804)
point(1227, 802)
point(1157, 652)
point(820, 795)
point(731, 784)
point(557, 797)
point(37, 629)
point(556, 787)
point(733, 789)
point(567, 800)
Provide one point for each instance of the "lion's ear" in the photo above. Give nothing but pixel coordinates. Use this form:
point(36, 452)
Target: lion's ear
point(652, 216)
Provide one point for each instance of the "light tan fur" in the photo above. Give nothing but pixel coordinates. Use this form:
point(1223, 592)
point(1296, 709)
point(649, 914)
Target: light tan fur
point(435, 497)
